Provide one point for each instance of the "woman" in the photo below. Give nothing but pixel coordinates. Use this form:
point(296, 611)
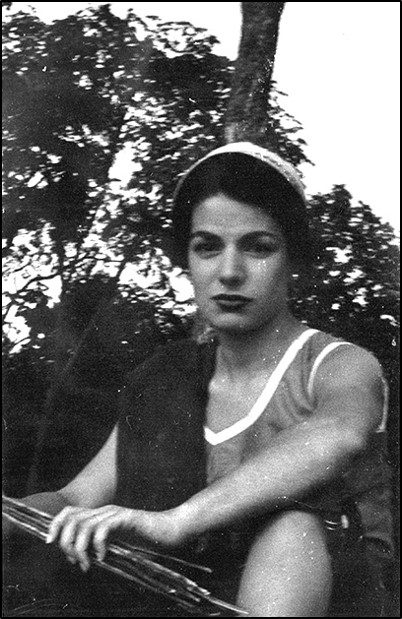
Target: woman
point(260, 450)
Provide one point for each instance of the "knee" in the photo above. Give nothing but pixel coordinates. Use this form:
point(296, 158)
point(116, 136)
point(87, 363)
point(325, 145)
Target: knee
point(288, 572)
point(296, 540)
point(296, 525)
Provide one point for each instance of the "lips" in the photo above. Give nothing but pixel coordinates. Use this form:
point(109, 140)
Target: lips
point(231, 298)
point(231, 301)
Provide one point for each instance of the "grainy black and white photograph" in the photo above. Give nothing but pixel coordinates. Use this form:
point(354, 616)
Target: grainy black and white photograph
point(200, 309)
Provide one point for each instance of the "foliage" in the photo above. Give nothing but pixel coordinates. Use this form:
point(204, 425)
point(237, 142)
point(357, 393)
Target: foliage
point(352, 289)
point(75, 92)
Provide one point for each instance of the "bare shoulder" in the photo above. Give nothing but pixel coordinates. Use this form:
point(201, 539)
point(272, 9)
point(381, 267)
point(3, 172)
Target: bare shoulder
point(350, 378)
point(346, 363)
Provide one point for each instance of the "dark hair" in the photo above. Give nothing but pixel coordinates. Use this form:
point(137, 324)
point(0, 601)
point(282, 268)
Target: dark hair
point(246, 179)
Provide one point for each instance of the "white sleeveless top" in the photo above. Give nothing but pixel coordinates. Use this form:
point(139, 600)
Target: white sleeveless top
point(285, 400)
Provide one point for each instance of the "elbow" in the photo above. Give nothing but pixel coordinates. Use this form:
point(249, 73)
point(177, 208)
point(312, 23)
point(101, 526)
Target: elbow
point(351, 441)
point(357, 442)
point(341, 442)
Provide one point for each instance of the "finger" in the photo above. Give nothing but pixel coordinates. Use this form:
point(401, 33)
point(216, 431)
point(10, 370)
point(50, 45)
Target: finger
point(112, 522)
point(81, 546)
point(67, 538)
point(118, 519)
point(101, 536)
point(57, 524)
point(68, 534)
point(83, 537)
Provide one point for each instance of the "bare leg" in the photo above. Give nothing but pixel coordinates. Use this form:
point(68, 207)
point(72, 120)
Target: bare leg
point(288, 570)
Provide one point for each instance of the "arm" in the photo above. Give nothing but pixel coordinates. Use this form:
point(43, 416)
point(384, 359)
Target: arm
point(96, 484)
point(347, 409)
point(348, 395)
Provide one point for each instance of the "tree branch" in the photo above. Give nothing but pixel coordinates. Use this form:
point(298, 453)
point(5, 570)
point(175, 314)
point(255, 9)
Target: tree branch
point(39, 278)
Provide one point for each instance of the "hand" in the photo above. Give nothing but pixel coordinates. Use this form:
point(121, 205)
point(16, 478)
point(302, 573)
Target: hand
point(77, 529)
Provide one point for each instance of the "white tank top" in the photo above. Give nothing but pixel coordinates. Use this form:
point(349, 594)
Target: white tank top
point(285, 400)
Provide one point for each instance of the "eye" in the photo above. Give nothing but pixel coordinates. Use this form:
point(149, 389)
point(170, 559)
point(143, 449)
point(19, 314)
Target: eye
point(205, 247)
point(260, 248)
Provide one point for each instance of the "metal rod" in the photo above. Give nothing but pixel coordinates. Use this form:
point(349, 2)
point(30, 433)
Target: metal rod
point(133, 563)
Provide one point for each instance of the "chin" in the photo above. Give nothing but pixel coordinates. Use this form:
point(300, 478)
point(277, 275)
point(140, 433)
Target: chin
point(232, 324)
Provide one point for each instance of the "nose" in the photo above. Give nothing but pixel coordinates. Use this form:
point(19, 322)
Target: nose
point(231, 268)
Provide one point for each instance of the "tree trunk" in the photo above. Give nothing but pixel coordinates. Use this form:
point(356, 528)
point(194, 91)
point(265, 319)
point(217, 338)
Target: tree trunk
point(248, 110)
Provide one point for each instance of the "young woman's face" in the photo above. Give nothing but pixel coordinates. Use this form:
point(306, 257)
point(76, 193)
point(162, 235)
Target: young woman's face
point(238, 264)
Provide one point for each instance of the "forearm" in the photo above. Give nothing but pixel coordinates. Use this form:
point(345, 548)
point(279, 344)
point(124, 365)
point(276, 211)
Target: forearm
point(299, 460)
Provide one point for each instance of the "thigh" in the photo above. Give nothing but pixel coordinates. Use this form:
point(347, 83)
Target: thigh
point(288, 569)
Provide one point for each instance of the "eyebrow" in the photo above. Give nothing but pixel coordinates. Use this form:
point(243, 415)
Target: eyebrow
point(248, 236)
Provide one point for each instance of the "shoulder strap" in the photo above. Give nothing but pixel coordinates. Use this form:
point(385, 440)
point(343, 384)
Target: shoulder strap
point(320, 358)
point(214, 438)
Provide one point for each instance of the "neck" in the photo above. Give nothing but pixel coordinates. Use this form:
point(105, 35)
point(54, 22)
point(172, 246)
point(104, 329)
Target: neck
point(252, 351)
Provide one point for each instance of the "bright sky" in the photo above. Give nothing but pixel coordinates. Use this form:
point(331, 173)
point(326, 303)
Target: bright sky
point(339, 64)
